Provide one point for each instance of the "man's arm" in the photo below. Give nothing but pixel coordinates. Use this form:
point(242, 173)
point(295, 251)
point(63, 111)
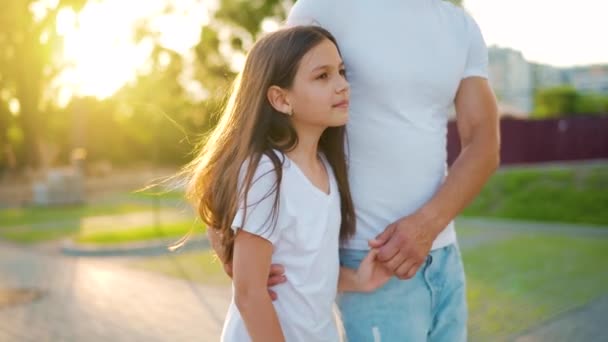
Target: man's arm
point(405, 244)
point(478, 126)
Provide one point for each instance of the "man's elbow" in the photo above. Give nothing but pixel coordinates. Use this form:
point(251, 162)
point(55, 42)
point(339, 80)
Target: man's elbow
point(487, 149)
point(495, 160)
point(493, 156)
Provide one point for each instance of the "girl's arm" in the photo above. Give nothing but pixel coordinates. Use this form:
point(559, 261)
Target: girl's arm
point(370, 276)
point(347, 282)
point(251, 264)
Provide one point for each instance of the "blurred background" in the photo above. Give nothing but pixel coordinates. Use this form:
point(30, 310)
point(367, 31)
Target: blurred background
point(100, 99)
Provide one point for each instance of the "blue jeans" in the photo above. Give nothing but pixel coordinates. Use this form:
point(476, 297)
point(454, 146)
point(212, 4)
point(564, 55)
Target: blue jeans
point(431, 306)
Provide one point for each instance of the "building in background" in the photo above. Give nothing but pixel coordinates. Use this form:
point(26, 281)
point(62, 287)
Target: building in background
point(511, 78)
point(515, 80)
point(547, 76)
point(589, 79)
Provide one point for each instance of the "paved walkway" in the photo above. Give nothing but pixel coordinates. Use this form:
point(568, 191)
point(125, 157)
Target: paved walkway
point(97, 300)
point(481, 231)
point(88, 300)
point(583, 324)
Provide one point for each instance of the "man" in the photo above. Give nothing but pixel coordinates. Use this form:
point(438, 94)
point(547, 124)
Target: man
point(408, 62)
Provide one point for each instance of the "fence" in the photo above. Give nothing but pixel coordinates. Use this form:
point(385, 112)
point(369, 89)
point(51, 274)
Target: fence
point(533, 141)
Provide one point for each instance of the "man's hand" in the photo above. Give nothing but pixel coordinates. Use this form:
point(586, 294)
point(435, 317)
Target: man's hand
point(277, 272)
point(405, 245)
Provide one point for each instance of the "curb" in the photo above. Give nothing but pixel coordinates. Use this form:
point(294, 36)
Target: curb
point(147, 248)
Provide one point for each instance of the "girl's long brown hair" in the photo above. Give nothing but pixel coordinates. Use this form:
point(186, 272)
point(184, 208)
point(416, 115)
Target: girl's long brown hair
point(250, 127)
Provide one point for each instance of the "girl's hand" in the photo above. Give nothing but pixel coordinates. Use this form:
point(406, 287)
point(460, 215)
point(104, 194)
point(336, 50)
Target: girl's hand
point(371, 274)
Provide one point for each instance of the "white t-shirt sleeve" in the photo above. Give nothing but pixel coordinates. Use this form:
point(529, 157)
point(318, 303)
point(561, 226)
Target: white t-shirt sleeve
point(477, 57)
point(255, 213)
point(305, 12)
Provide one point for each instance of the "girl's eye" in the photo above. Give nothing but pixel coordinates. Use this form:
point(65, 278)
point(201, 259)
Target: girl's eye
point(343, 72)
point(322, 76)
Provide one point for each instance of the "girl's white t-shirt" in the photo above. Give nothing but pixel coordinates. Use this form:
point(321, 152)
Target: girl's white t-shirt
point(305, 236)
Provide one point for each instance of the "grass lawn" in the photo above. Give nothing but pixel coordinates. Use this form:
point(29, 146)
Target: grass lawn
point(117, 236)
point(30, 235)
point(573, 193)
point(32, 215)
point(163, 195)
point(101, 237)
point(516, 284)
point(38, 224)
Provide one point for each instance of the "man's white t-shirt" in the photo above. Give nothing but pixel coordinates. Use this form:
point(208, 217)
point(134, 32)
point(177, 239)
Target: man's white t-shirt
point(305, 236)
point(404, 61)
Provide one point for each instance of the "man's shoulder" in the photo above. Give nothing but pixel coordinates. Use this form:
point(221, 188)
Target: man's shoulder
point(307, 8)
point(314, 12)
point(458, 16)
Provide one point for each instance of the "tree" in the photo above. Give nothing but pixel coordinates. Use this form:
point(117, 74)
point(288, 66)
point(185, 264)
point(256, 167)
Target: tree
point(235, 25)
point(592, 103)
point(555, 102)
point(567, 101)
point(5, 117)
point(29, 60)
point(157, 116)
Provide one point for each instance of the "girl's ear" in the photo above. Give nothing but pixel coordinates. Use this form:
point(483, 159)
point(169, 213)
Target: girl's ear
point(278, 99)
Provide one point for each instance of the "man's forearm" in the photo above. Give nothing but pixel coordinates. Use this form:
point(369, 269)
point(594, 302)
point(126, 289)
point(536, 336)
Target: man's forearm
point(470, 171)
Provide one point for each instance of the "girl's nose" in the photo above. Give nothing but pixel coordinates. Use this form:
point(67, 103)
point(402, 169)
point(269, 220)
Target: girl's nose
point(343, 85)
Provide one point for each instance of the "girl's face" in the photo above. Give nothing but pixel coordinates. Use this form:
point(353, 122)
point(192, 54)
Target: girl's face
point(319, 95)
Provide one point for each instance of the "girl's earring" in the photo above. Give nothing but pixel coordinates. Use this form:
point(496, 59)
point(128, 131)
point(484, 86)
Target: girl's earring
point(289, 112)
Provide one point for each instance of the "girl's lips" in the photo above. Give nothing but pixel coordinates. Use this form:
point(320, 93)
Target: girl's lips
point(342, 104)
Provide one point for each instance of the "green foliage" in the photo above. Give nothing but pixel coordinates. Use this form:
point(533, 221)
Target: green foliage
point(29, 61)
point(554, 102)
point(152, 119)
point(594, 104)
point(577, 194)
point(155, 117)
point(566, 101)
point(240, 22)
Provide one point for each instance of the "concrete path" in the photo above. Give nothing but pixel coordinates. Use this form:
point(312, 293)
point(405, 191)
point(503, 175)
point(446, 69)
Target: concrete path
point(89, 300)
point(587, 323)
point(92, 299)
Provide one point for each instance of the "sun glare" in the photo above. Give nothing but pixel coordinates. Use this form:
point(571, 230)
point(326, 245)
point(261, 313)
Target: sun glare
point(99, 46)
point(98, 49)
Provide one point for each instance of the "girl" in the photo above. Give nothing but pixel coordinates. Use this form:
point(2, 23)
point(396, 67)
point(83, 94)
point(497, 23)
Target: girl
point(272, 181)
